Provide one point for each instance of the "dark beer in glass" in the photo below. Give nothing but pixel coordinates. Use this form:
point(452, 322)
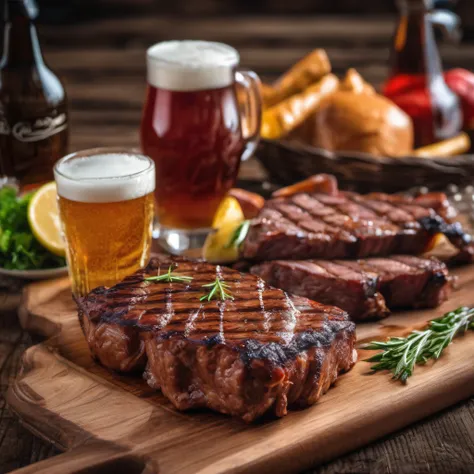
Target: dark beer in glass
point(192, 127)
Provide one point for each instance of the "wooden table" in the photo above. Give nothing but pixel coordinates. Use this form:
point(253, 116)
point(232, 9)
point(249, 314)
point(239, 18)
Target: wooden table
point(103, 64)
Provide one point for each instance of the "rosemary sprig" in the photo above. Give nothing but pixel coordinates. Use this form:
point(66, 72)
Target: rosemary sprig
point(400, 354)
point(171, 277)
point(238, 235)
point(218, 290)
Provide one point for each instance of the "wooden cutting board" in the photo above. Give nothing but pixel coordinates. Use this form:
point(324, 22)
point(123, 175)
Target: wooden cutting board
point(118, 424)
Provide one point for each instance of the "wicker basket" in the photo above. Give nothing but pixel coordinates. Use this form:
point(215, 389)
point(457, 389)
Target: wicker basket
point(289, 162)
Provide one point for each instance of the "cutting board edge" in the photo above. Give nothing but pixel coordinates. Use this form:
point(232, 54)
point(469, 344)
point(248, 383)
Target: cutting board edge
point(70, 437)
point(31, 320)
point(20, 398)
point(51, 325)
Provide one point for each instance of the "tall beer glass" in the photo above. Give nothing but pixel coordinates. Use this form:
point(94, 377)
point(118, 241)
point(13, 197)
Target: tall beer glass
point(196, 131)
point(106, 206)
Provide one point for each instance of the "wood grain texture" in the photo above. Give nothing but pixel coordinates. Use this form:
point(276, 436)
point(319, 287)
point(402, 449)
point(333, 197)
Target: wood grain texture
point(65, 397)
point(440, 444)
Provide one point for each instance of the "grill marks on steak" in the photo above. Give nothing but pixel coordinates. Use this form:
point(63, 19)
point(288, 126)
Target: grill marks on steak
point(328, 282)
point(262, 349)
point(406, 281)
point(349, 225)
point(365, 288)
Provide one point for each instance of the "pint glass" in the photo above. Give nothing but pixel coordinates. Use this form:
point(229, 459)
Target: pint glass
point(196, 131)
point(106, 206)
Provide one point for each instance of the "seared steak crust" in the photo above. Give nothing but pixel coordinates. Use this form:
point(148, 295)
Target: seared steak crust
point(330, 282)
point(365, 288)
point(350, 225)
point(262, 349)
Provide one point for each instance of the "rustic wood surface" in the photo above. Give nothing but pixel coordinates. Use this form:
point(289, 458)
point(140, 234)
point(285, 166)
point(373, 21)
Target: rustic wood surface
point(103, 66)
point(67, 398)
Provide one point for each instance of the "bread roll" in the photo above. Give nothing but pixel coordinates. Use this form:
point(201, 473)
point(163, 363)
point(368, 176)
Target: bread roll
point(354, 82)
point(362, 122)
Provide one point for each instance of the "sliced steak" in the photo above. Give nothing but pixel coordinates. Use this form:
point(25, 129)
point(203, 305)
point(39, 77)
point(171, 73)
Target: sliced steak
point(262, 350)
point(331, 283)
point(406, 281)
point(364, 288)
point(350, 225)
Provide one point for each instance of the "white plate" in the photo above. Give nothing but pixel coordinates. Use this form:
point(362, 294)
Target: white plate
point(35, 274)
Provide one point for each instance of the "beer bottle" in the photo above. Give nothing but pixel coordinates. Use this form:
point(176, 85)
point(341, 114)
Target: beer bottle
point(33, 104)
point(416, 82)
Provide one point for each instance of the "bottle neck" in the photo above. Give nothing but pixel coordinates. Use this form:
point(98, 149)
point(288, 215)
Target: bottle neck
point(412, 6)
point(414, 49)
point(21, 45)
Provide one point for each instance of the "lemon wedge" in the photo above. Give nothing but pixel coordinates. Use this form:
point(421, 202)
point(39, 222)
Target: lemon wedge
point(228, 218)
point(43, 217)
point(216, 248)
point(229, 210)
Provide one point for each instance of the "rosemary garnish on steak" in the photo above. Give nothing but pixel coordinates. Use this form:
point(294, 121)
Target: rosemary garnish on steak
point(400, 354)
point(218, 290)
point(238, 235)
point(171, 277)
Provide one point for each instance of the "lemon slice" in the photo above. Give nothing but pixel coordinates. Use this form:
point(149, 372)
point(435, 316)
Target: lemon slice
point(216, 248)
point(43, 217)
point(229, 210)
point(228, 218)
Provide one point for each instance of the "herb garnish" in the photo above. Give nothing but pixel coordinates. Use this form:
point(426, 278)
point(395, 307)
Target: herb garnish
point(238, 235)
point(218, 291)
point(171, 277)
point(400, 354)
point(19, 249)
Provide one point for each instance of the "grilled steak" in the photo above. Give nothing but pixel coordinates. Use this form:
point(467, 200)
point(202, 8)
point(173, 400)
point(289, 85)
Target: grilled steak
point(260, 350)
point(350, 225)
point(363, 288)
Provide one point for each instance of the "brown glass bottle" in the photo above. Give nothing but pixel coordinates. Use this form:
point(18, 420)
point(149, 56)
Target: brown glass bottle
point(416, 82)
point(33, 105)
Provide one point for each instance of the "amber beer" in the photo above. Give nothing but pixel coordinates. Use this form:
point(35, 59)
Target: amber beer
point(196, 131)
point(106, 206)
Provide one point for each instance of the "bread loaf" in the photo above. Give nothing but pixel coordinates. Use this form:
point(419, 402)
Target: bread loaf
point(355, 118)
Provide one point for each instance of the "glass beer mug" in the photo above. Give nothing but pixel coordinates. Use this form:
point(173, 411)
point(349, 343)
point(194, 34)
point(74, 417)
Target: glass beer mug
point(196, 131)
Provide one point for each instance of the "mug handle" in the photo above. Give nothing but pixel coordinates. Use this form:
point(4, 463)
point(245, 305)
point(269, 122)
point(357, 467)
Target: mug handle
point(449, 22)
point(251, 110)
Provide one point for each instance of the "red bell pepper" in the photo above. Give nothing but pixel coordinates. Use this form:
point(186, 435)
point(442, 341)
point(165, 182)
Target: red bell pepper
point(461, 82)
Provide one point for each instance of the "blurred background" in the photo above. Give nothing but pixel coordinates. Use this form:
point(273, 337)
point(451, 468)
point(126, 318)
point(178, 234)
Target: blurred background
point(77, 10)
point(97, 47)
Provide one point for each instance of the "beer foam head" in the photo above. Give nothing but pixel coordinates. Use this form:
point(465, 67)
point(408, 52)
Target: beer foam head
point(191, 65)
point(104, 177)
